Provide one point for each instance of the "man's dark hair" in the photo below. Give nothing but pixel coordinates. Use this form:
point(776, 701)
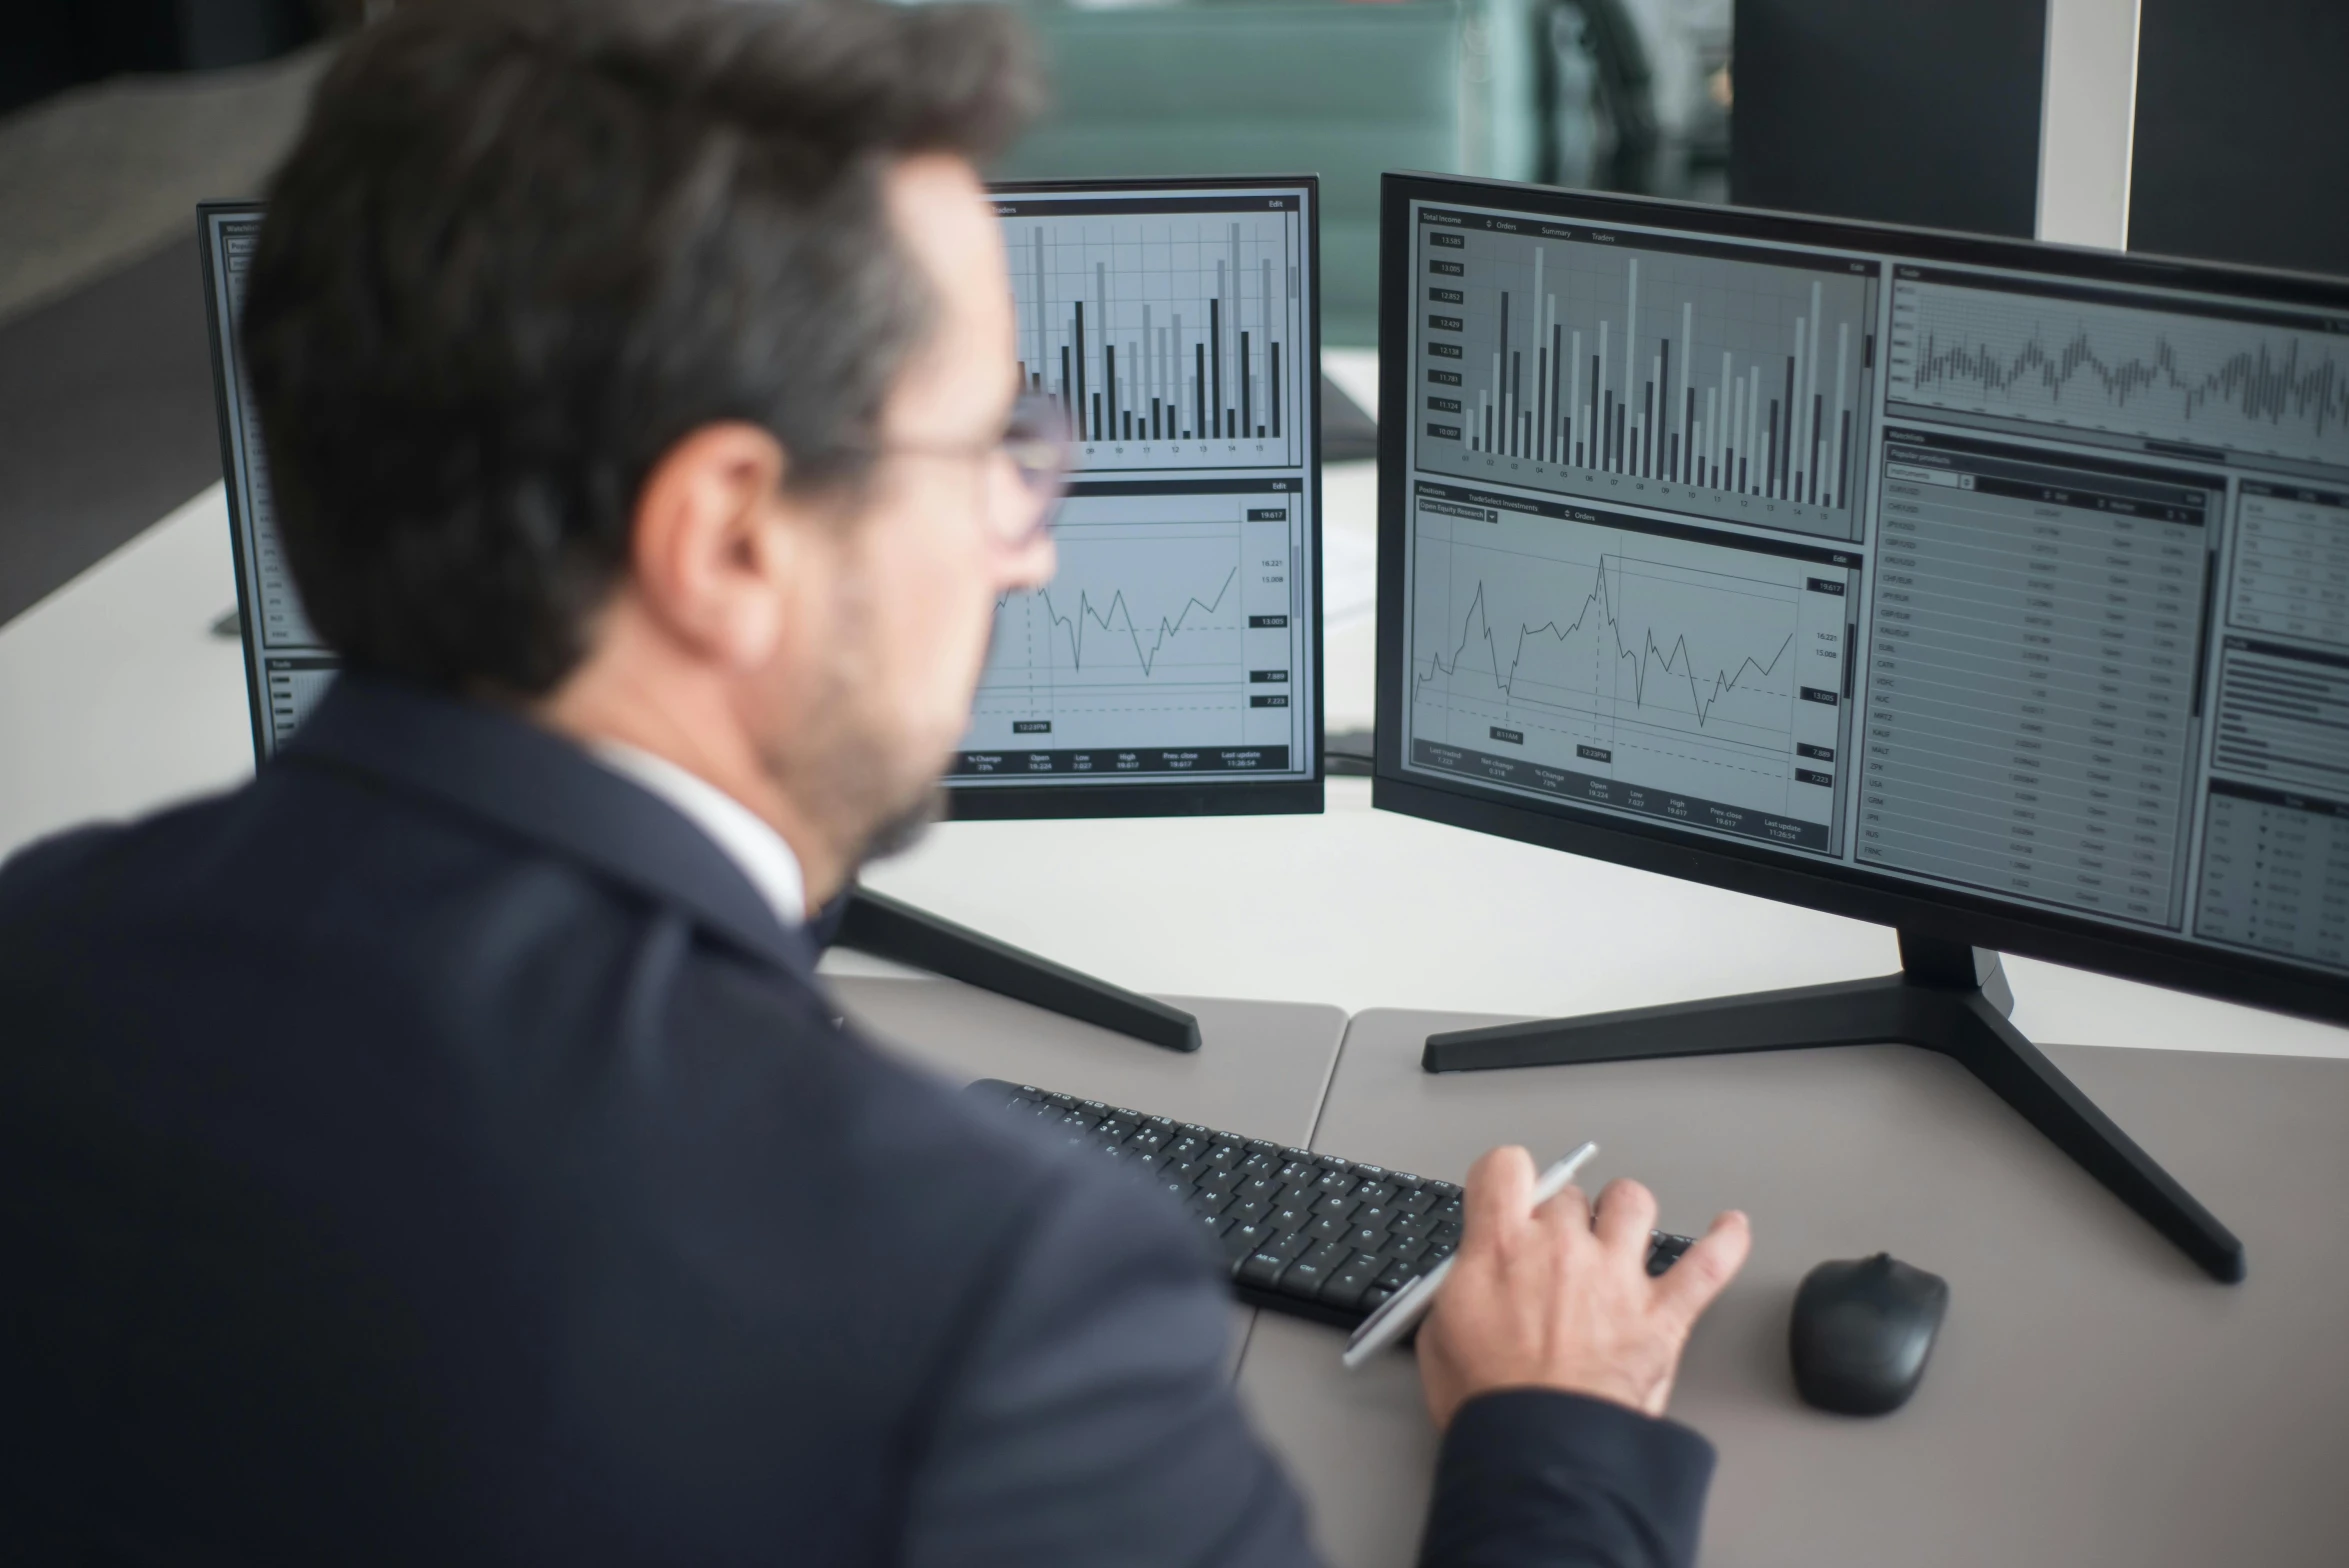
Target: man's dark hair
point(524, 247)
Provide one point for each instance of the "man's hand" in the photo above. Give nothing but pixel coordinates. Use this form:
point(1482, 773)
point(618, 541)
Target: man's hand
point(1552, 1300)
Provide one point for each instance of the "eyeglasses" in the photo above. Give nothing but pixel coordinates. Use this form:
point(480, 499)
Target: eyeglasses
point(1038, 444)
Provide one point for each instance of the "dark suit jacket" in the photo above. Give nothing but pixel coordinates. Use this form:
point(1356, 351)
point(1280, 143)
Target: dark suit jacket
point(436, 1152)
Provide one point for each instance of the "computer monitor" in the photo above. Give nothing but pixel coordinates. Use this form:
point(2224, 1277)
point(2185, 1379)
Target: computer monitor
point(1173, 664)
point(1995, 591)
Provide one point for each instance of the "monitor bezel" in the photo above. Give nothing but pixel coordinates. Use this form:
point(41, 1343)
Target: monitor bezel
point(1230, 798)
point(1947, 914)
point(220, 346)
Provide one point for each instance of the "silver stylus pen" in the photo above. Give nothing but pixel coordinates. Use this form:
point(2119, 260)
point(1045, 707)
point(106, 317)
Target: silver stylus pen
point(1401, 1312)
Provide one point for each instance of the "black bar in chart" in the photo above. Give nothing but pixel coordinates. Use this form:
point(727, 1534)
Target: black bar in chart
point(1727, 381)
point(1170, 333)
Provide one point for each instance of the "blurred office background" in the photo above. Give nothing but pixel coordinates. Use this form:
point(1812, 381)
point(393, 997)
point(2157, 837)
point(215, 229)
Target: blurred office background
point(117, 116)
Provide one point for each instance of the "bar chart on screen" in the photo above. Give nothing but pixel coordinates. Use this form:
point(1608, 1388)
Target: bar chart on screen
point(1724, 381)
point(1171, 331)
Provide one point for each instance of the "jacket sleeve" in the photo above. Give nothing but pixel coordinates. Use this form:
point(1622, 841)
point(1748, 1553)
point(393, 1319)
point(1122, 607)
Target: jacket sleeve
point(1090, 1416)
point(1530, 1476)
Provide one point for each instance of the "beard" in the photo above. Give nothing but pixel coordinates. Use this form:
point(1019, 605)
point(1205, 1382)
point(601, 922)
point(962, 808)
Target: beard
point(864, 784)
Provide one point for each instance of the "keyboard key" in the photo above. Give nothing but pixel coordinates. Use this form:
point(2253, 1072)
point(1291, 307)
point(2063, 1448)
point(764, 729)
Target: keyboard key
point(1299, 1172)
point(1377, 1219)
point(1329, 1227)
point(1665, 1250)
point(1246, 1208)
point(1335, 1206)
point(1345, 1287)
point(1291, 1219)
point(1293, 1245)
point(1263, 1269)
point(1365, 1240)
point(1374, 1298)
point(1396, 1275)
point(1378, 1194)
point(1240, 1241)
point(1304, 1277)
point(1418, 1202)
point(1215, 1224)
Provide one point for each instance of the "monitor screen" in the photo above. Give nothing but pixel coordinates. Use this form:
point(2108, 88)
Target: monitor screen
point(1173, 662)
point(1990, 589)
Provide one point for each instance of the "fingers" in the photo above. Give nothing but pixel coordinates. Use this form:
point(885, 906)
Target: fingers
point(1499, 1192)
point(1626, 1213)
point(1689, 1286)
point(1567, 1213)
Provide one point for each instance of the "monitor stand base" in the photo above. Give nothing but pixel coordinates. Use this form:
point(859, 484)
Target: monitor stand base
point(1948, 997)
point(881, 927)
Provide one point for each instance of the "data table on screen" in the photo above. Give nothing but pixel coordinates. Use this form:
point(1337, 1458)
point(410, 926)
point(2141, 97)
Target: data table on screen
point(2033, 685)
point(2291, 563)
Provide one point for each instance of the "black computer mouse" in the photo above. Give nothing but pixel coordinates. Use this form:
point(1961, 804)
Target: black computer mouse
point(1861, 1332)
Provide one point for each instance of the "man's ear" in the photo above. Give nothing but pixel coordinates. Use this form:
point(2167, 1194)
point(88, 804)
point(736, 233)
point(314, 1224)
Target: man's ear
point(709, 544)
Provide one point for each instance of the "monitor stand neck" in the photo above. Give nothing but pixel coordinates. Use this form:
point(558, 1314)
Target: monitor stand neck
point(884, 928)
point(1948, 997)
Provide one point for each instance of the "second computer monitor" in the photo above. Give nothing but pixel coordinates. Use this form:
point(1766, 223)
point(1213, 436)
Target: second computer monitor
point(1173, 663)
point(1992, 590)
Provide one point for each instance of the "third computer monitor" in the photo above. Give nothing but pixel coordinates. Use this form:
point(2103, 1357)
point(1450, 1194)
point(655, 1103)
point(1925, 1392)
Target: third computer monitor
point(1993, 590)
point(1173, 663)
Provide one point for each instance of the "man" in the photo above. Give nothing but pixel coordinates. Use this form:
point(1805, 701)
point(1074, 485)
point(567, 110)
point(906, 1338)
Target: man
point(441, 1149)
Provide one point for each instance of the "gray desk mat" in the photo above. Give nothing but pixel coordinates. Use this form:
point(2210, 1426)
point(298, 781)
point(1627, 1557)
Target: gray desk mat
point(1261, 1067)
point(2093, 1397)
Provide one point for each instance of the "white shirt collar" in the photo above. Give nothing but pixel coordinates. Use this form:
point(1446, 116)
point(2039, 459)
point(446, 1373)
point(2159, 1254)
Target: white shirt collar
point(752, 845)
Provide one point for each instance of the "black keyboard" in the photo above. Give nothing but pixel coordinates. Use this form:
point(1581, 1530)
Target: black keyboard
point(1303, 1233)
